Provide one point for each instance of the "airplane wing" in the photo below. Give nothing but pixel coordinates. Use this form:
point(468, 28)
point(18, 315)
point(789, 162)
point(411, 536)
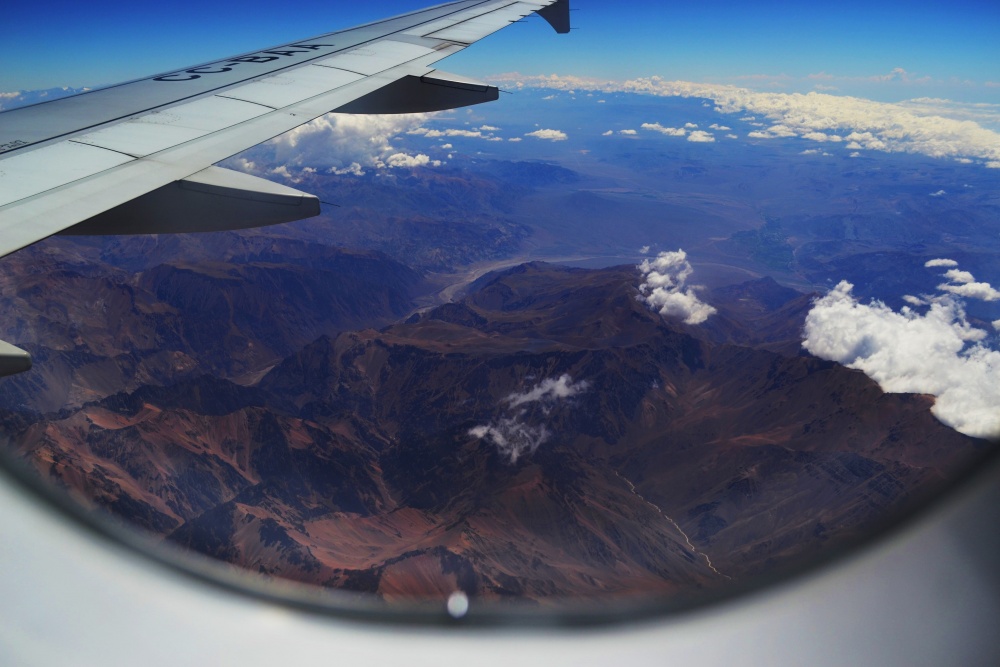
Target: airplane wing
point(137, 157)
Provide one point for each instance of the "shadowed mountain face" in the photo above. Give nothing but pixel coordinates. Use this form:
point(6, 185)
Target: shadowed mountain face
point(546, 436)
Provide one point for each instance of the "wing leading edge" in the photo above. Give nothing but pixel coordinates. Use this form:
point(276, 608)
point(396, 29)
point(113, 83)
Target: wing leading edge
point(137, 157)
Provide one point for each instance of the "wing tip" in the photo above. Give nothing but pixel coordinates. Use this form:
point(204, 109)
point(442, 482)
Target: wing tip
point(557, 15)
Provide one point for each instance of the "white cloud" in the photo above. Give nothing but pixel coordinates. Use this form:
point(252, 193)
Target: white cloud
point(700, 136)
point(446, 147)
point(669, 131)
point(939, 193)
point(489, 128)
point(549, 135)
point(404, 161)
point(548, 391)
point(731, 136)
point(996, 324)
point(450, 132)
point(981, 291)
point(720, 128)
point(931, 263)
point(608, 133)
point(937, 353)
point(513, 434)
point(628, 132)
point(664, 289)
point(964, 283)
point(336, 142)
point(354, 169)
point(644, 250)
point(691, 126)
point(958, 276)
point(928, 129)
point(515, 139)
point(512, 437)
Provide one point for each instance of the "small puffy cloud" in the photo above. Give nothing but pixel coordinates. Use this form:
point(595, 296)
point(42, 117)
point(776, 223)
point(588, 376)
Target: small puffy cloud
point(515, 139)
point(489, 128)
point(964, 283)
point(700, 136)
point(958, 276)
point(669, 131)
point(548, 135)
point(939, 193)
point(644, 250)
point(691, 126)
point(981, 291)
point(548, 391)
point(993, 164)
point(720, 128)
point(608, 133)
point(284, 173)
point(628, 132)
point(518, 432)
point(937, 353)
point(404, 161)
point(731, 136)
point(932, 263)
point(664, 288)
point(446, 147)
point(353, 169)
point(996, 324)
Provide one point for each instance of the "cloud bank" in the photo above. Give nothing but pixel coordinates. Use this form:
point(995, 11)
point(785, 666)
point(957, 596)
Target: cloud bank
point(514, 434)
point(338, 144)
point(937, 128)
point(937, 352)
point(664, 288)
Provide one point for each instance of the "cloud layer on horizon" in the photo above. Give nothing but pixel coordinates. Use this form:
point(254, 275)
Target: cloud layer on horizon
point(937, 128)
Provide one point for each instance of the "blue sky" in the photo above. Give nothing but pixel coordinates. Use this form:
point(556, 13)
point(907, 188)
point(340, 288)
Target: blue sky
point(946, 51)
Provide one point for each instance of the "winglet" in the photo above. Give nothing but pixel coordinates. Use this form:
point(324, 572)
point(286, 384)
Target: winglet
point(13, 359)
point(557, 14)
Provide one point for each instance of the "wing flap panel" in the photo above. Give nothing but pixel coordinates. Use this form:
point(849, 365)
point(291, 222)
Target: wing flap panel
point(24, 175)
point(281, 90)
point(160, 130)
point(376, 57)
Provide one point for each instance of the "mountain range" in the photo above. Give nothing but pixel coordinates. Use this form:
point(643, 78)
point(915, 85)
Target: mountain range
point(544, 437)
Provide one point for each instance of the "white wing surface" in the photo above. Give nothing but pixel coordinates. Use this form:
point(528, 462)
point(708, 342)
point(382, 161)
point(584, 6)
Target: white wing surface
point(75, 160)
point(137, 157)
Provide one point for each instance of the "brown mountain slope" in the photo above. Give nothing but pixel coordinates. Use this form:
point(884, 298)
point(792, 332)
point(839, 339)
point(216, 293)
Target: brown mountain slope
point(649, 459)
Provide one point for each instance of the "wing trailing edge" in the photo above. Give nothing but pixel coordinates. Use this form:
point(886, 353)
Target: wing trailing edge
point(212, 200)
point(13, 359)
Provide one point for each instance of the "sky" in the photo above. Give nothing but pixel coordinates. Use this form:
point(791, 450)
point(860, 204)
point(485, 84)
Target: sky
point(883, 50)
